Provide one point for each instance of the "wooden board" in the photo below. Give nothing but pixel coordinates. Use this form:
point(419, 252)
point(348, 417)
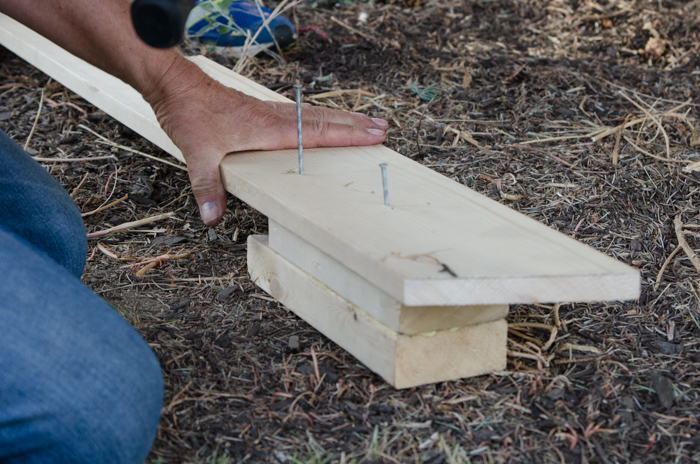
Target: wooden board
point(358, 291)
point(434, 228)
point(103, 90)
point(402, 360)
point(497, 256)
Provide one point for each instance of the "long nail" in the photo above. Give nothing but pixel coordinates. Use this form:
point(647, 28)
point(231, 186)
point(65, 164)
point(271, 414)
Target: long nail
point(210, 212)
point(385, 186)
point(375, 131)
point(298, 87)
point(380, 122)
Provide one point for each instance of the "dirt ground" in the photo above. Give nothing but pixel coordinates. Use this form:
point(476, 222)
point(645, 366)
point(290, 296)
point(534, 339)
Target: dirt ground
point(578, 114)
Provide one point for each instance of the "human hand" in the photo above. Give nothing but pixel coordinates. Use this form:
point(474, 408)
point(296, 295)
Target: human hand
point(207, 120)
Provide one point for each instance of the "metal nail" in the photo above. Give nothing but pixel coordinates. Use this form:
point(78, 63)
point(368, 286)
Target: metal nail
point(301, 147)
point(384, 183)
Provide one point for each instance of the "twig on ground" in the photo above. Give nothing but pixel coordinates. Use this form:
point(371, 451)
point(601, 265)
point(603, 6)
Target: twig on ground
point(552, 330)
point(613, 130)
point(52, 104)
point(130, 225)
point(106, 141)
point(618, 137)
point(336, 93)
point(350, 28)
point(76, 189)
point(36, 120)
point(73, 160)
point(153, 262)
point(656, 121)
point(684, 244)
point(111, 253)
point(663, 268)
point(104, 207)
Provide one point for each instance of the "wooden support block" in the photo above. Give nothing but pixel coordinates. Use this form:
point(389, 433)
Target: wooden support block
point(402, 360)
point(358, 291)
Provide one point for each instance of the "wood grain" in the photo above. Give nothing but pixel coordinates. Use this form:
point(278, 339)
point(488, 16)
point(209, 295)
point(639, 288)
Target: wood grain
point(402, 360)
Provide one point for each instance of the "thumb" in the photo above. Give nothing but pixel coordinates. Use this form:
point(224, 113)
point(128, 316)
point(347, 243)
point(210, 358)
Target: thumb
point(209, 192)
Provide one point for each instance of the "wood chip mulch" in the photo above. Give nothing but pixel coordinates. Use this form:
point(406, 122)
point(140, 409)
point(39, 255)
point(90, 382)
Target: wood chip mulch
point(581, 115)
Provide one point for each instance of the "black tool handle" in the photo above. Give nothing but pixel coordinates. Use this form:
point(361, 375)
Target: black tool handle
point(160, 23)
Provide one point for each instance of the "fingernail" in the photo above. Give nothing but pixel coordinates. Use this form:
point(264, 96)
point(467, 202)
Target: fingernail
point(210, 212)
point(359, 114)
point(380, 122)
point(375, 131)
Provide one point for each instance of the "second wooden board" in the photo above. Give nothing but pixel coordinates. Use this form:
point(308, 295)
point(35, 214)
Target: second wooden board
point(358, 291)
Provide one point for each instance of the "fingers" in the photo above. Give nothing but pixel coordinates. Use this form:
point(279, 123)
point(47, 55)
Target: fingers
point(338, 135)
point(316, 133)
point(208, 189)
point(317, 113)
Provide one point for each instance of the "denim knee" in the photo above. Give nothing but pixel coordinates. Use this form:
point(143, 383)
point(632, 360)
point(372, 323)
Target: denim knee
point(77, 382)
point(36, 208)
point(85, 422)
point(112, 427)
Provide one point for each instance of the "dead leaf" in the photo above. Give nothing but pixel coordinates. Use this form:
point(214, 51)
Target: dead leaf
point(508, 196)
point(466, 80)
point(655, 47)
point(694, 139)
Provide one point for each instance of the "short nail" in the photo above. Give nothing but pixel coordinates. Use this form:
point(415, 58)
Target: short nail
point(380, 122)
point(359, 114)
point(375, 131)
point(210, 212)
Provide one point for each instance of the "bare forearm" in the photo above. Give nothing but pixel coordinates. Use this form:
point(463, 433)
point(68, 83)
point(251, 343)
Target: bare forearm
point(100, 32)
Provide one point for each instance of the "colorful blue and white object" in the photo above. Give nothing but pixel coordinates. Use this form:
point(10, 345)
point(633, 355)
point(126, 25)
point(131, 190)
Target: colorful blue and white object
point(227, 24)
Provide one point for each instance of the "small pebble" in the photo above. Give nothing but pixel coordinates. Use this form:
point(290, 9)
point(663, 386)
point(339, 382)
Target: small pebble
point(664, 389)
point(293, 343)
point(225, 293)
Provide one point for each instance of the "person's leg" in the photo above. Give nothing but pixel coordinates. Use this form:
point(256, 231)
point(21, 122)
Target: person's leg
point(35, 207)
point(77, 382)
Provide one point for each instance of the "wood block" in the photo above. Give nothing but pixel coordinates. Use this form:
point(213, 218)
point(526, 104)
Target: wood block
point(360, 292)
point(402, 360)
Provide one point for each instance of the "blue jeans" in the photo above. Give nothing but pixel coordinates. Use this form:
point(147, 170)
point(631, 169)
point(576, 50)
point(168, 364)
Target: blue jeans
point(77, 382)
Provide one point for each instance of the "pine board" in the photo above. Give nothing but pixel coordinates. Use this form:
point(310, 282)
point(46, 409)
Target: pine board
point(402, 360)
point(361, 293)
point(499, 256)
